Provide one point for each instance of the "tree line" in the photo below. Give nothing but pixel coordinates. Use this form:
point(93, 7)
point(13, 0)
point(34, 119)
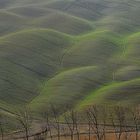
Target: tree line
point(95, 122)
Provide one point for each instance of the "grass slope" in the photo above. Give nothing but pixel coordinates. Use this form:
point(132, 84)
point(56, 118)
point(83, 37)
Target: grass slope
point(70, 86)
point(64, 23)
point(10, 22)
point(70, 52)
point(27, 58)
point(114, 93)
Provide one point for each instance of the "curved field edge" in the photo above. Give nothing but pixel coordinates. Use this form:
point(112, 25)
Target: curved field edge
point(105, 94)
point(61, 79)
point(42, 100)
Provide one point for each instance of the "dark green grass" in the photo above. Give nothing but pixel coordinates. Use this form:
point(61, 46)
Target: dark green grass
point(64, 23)
point(28, 57)
point(90, 10)
point(10, 22)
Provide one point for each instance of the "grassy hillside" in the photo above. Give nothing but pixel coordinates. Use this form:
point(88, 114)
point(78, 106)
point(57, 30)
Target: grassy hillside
point(28, 58)
point(115, 93)
point(70, 53)
point(69, 87)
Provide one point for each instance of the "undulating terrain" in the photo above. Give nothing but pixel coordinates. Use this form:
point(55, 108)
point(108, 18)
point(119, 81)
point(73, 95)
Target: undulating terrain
point(70, 53)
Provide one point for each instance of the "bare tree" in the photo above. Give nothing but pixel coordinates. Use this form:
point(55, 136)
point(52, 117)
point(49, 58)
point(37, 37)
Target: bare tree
point(104, 118)
point(128, 129)
point(118, 120)
point(56, 124)
point(64, 130)
point(89, 124)
point(72, 121)
point(69, 119)
point(46, 128)
point(93, 115)
point(25, 120)
point(75, 122)
point(127, 132)
point(136, 120)
point(1, 127)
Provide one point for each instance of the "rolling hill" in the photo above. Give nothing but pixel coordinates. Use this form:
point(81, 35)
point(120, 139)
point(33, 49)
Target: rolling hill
point(70, 53)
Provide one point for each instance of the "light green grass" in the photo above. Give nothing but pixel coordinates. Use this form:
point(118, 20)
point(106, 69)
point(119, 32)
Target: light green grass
point(68, 87)
point(113, 93)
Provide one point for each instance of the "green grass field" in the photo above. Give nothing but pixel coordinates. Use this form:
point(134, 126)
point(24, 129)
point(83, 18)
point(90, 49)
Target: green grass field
point(70, 53)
